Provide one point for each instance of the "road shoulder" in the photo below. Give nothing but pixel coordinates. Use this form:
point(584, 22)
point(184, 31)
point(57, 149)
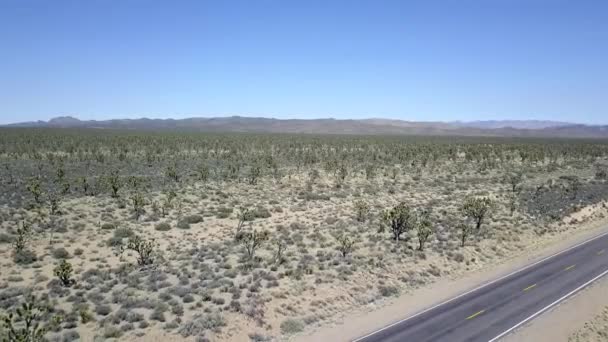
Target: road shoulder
point(568, 319)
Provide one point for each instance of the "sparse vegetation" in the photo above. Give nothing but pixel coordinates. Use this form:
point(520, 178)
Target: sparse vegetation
point(129, 233)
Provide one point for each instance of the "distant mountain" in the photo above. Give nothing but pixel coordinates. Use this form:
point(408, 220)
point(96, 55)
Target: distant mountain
point(519, 124)
point(524, 128)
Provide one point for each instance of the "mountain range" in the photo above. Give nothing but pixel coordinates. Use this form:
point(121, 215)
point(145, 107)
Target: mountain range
point(515, 128)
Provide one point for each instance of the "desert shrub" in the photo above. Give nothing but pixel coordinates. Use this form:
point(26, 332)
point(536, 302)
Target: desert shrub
point(178, 309)
point(112, 332)
point(163, 227)
point(103, 310)
point(60, 253)
point(127, 327)
point(14, 278)
point(188, 298)
point(261, 212)
point(85, 315)
point(183, 224)
point(223, 212)
point(201, 323)
point(171, 325)
point(108, 226)
point(5, 238)
point(70, 335)
point(114, 241)
point(193, 219)
point(291, 326)
point(133, 317)
point(158, 315)
point(24, 257)
point(123, 233)
point(388, 291)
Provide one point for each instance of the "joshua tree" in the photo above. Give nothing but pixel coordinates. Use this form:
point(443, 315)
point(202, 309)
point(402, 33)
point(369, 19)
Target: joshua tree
point(113, 180)
point(84, 185)
point(476, 209)
point(203, 172)
point(313, 176)
point(63, 271)
point(601, 173)
point(512, 202)
point(279, 257)
point(574, 185)
point(254, 174)
point(253, 240)
point(465, 230)
point(394, 173)
point(9, 173)
point(60, 174)
point(424, 229)
point(514, 180)
point(341, 173)
point(23, 236)
point(171, 173)
point(370, 171)
point(400, 219)
point(138, 202)
point(53, 203)
point(361, 210)
point(168, 202)
point(34, 187)
point(144, 249)
point(345, 245)
point(27, 323)
point(243, 215)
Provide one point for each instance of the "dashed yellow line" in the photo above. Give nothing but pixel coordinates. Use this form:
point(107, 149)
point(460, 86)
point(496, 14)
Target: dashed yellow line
point(601, 252)
point(529, 287)
point(476, 314)
point(569, 267)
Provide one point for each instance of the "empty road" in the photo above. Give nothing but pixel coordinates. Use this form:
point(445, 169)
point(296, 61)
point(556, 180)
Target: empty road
point(491, 311)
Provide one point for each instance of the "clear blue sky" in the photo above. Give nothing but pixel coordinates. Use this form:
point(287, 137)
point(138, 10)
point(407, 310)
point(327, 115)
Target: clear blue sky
point(413, 60)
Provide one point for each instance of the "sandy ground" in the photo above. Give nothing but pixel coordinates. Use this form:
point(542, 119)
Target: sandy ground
point(373, 317)
point(316, 286)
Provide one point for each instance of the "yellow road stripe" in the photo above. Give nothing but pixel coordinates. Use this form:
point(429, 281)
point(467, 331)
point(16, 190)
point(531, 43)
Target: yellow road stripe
point(569, 267)
point(476, 314)
point(600, 252)
point(529, 287)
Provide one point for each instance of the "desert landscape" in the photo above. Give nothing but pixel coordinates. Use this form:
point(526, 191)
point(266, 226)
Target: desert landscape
point(155, 236)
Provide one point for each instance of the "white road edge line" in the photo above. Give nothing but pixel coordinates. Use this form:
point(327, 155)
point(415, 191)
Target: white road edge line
point(548, 307)
point(480, 287)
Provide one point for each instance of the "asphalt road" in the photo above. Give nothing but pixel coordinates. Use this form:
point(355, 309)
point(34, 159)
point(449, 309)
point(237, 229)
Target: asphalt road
point(492, 310)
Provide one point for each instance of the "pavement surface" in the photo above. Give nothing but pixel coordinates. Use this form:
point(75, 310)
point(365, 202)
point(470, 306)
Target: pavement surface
point(492, 310)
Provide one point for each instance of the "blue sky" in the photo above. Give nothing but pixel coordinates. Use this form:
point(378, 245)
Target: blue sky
point(413, 60)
